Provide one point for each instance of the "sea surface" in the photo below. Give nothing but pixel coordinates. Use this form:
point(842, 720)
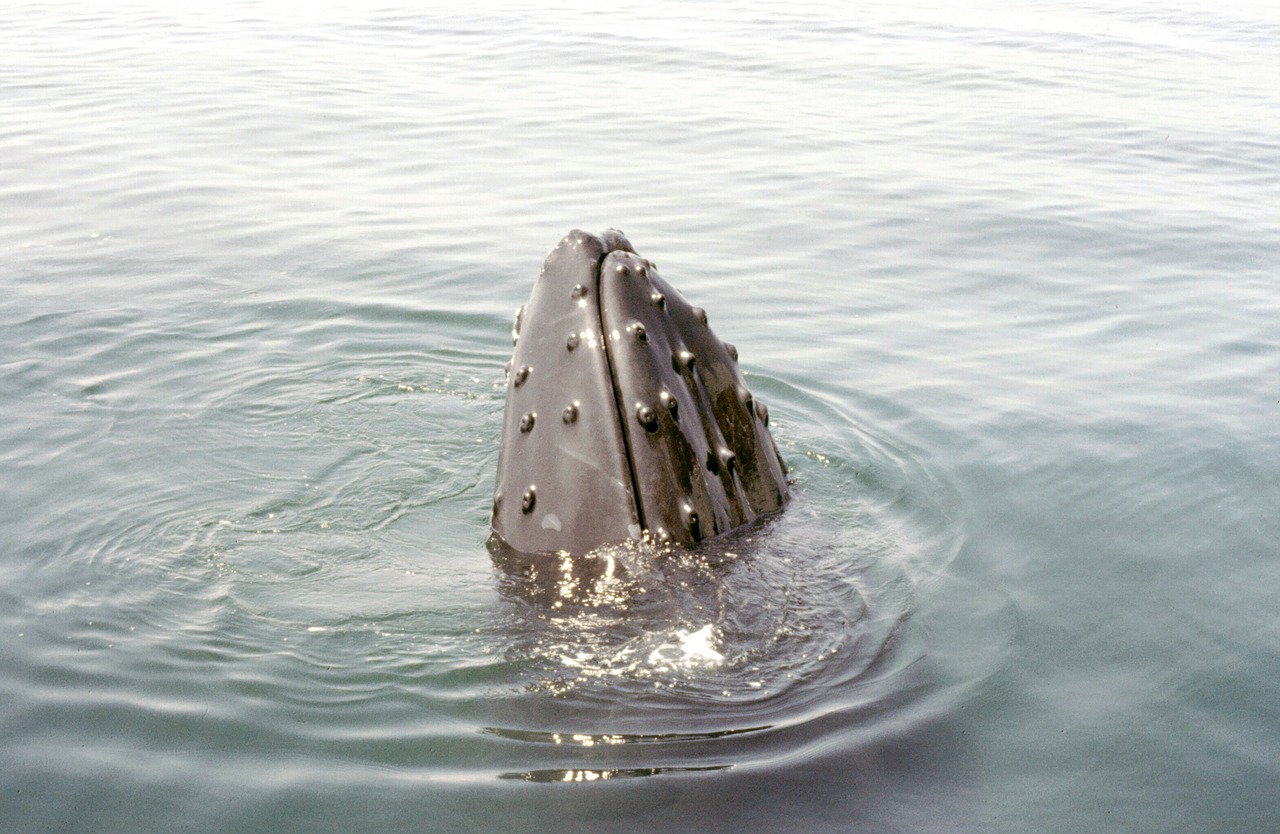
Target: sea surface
point(1007, 277)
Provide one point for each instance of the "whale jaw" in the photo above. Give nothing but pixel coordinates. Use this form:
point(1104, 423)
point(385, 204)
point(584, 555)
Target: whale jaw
point(625, 414)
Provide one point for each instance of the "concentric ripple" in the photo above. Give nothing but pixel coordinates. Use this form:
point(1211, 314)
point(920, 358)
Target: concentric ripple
point(763, 644)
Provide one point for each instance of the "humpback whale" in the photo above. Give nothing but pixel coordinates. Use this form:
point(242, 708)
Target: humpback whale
point(626, 418)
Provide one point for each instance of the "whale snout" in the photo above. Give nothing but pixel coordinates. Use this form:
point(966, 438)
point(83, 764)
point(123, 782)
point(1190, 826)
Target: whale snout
point(625, 413)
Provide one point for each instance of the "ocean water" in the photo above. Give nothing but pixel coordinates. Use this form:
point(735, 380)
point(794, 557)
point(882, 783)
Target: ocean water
point(1007, 277)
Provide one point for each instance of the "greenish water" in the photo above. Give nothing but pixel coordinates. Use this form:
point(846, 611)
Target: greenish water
point(1006, 279)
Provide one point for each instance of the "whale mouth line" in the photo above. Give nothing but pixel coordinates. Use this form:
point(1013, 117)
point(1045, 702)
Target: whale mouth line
point(619, 404)
point(658, 431)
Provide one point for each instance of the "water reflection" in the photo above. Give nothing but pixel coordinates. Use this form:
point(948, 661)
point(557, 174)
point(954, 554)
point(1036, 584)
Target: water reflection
point(609, 576)
point(775, 642)
point(589, 740)
point(659, 616)
point(584, 775)
point(603, 577)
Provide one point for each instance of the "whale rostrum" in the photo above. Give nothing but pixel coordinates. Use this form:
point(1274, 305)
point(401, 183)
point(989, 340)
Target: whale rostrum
point(625, 414)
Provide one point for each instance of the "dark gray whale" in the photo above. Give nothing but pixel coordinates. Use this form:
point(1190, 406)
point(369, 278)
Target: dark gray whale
point(625, 414)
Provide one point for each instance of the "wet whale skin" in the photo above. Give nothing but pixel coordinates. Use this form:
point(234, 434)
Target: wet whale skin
point(625, 414)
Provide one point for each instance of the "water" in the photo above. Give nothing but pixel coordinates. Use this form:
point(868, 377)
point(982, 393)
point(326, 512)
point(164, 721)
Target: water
point(1006, 279)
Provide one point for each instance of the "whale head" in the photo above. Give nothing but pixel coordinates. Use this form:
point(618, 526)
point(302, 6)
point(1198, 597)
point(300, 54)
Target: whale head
point(626, 417)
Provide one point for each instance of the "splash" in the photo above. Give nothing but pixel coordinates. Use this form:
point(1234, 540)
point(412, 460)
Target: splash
point(695, 648)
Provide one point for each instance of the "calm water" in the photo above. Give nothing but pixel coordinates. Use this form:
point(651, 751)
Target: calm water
point(1007, 280)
